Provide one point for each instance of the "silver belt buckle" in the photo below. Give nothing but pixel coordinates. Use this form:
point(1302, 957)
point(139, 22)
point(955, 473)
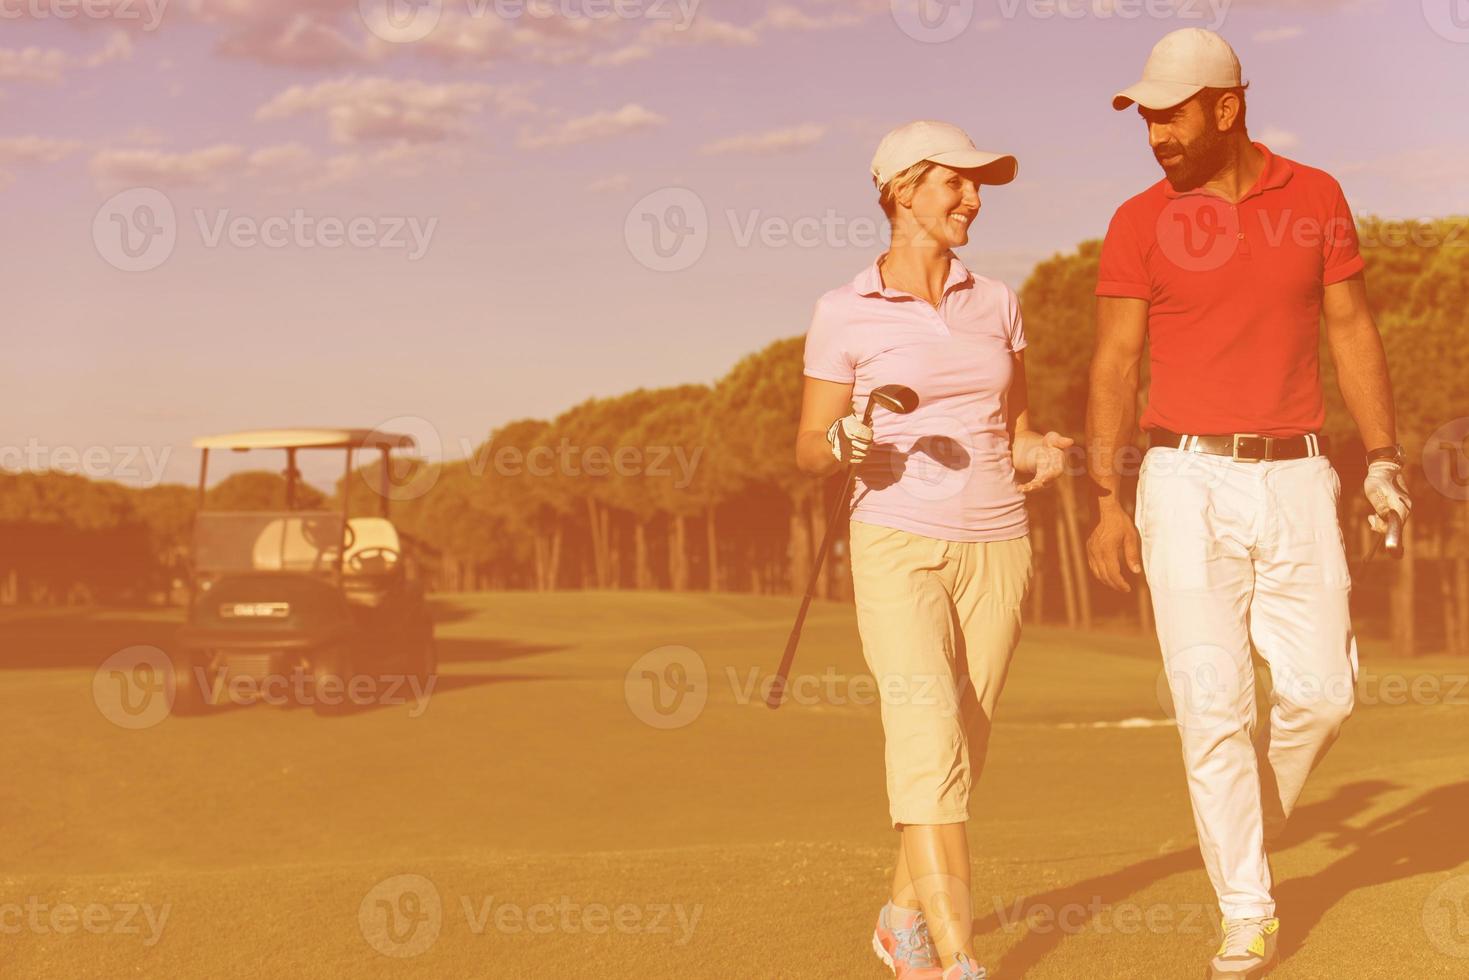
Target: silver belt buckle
point(1264, 447)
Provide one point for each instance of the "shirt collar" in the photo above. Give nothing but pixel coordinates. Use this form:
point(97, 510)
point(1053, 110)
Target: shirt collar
point(1276, 173)
point(869, 281)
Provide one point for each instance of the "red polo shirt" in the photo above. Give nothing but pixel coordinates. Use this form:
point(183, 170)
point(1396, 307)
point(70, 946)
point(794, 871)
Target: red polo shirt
point(1234, 297)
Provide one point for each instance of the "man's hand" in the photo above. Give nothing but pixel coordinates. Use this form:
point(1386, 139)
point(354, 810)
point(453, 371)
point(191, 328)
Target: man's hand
point(1043, 455)
point(1114, 541)
point(849, 439)
point(1387, 491)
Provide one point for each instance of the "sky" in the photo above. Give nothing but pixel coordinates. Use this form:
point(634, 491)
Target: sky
point(438, 216)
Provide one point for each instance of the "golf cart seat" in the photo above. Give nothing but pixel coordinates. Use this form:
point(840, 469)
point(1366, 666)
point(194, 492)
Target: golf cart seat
point(296, 543)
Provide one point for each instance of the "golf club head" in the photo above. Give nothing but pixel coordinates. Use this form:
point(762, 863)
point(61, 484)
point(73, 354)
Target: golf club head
point(899, 399)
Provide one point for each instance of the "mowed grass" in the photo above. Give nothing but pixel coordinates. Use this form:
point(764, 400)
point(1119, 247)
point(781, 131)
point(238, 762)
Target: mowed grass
point(549, 829)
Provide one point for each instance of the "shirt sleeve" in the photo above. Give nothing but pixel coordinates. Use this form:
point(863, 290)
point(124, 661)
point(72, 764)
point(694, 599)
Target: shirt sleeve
point(1122, 271)
point(827, 357)
point(1016, 327)
point(1341, 252)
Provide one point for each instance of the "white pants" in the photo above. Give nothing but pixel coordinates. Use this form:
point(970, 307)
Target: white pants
point(1237, 552)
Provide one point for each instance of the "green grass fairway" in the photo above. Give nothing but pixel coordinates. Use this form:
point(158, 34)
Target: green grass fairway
point(529, 821)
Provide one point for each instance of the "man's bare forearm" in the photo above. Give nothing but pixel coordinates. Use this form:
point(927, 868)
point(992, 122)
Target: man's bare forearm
point(1362, 375)
point(1110, 422)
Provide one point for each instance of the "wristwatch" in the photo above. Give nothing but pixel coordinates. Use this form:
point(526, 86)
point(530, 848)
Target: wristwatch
point(1395, 453)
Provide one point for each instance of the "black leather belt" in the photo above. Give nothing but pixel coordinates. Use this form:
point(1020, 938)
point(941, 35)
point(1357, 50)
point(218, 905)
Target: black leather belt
point(1243, 447)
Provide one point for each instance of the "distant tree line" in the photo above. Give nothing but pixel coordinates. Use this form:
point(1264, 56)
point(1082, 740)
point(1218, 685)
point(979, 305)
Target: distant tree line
point(694, 487)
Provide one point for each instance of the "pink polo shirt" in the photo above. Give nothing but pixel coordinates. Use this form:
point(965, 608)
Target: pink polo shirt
point(943, 470)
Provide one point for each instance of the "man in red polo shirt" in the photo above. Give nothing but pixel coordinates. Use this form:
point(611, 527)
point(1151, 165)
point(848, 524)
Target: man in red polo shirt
point(1226, 268)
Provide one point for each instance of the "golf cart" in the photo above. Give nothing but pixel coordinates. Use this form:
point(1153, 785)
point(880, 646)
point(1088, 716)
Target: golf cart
point(309, 599)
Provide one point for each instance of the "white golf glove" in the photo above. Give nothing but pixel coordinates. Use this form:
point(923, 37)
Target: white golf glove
point(849, 439)
point(1387, 491)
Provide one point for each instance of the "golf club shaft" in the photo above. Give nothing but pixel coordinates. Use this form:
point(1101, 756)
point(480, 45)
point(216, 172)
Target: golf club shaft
point(777, 688)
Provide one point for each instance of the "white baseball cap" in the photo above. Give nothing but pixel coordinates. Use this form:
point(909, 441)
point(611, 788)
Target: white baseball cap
point(942, 143)
point(1183, 63)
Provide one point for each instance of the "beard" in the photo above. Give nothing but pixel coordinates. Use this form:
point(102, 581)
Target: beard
point(1198, 161)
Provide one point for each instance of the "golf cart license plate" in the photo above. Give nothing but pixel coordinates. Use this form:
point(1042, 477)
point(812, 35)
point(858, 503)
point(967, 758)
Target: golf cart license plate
point(255, 610)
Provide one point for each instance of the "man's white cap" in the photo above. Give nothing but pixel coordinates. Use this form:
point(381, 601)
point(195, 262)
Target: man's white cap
point(1182, 64)
point(942, 143)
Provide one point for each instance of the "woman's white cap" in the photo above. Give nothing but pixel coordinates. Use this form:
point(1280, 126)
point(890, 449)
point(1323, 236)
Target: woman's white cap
point(942, 143)
point(1181, 65)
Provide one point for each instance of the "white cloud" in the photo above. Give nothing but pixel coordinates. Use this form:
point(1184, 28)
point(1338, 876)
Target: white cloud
point(597, 126)
point(771, 141)
point(361, 110)
point(610, 184)
point(50, 65)
point(160, 168)
point(787, 17)
point(1278, 139)
point(1273, 34)
point(35, 149)
point(119, 47)
point(33, 64)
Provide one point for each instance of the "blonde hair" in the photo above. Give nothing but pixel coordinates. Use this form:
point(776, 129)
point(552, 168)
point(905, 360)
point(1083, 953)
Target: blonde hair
point(887, 194)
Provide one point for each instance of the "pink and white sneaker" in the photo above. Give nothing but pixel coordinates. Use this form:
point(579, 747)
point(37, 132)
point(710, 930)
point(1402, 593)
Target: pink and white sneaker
point(965, 969)
point(902, 942)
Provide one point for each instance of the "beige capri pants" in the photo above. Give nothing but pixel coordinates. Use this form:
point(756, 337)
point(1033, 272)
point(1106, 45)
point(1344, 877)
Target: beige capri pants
point(939, 622)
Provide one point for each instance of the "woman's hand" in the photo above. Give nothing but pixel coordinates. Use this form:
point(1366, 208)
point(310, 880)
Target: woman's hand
point(1043, 455)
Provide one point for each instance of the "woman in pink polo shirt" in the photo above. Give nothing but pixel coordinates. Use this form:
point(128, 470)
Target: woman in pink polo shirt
point(940, 546)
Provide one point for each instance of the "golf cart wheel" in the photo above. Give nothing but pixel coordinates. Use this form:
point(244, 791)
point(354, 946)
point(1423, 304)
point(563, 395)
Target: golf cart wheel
point(331, 672)
point(190, 697)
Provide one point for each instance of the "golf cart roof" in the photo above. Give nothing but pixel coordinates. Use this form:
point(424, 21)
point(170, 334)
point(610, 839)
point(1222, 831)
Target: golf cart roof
point(306, 439)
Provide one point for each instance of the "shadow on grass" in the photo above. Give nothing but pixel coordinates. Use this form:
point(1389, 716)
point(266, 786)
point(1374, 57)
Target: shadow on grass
point(80, 640)
point(87, 639)
point(1421, 837)
point(1327, 816)
point(464, 649)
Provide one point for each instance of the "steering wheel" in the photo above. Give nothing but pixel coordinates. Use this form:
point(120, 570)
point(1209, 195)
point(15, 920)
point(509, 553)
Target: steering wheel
point(317, 534)
point(387, 557)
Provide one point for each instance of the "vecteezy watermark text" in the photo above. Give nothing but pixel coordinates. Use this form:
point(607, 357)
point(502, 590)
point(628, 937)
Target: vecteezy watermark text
point(139, 463)
point(150, 12)
point(65, 918)
point(403, 916)
point(136, 230)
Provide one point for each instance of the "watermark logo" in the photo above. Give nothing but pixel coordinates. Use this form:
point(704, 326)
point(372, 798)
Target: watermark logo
point(667, 230)
point(1446, 917)
point(1199, 688)
point(937, 466)
point(401, 21)
point(133, 688)
point(1446, 459)
point(933, 21)
point(667, 687)
point(1198, 232)
point(135, 230)
point(1449, 19)
point(401, 916)
point(407, 478)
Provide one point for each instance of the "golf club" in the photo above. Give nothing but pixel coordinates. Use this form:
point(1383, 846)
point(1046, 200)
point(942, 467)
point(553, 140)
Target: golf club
point(1391, 540)
point(900, 400)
